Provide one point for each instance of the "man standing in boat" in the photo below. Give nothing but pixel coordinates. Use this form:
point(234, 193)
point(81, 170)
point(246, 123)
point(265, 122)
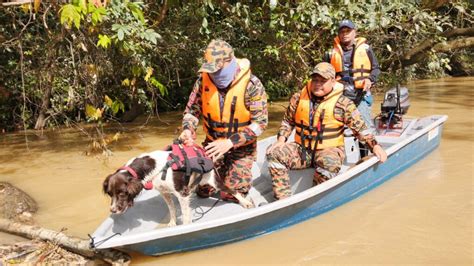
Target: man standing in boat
point(356, 67)
point(233, 105)
point(319, 113)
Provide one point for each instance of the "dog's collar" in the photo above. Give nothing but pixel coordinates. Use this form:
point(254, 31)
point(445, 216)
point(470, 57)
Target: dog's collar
point(130, 170)
point(146, 184)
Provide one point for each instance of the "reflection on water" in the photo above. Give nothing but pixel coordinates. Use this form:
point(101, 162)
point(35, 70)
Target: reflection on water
point(422, 216)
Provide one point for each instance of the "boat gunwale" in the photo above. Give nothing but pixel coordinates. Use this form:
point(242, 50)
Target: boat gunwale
point(251, 213)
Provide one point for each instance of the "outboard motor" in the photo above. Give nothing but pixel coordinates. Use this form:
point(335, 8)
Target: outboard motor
point(393, 107)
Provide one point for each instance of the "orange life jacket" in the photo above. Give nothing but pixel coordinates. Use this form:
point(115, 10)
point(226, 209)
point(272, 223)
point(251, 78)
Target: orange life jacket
point(361, 66)
point(220, 124)
point(325, 130)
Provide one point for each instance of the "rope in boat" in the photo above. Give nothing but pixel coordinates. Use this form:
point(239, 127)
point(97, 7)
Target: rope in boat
point(199, 209)
point(201, 212)
point(93, 245)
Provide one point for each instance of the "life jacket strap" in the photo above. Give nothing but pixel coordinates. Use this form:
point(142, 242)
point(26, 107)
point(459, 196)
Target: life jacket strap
point(361, 70)
point(232, 114)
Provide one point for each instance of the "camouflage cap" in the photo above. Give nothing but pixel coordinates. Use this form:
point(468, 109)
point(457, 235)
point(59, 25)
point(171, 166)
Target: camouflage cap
point(325, 70)
point(217, 53)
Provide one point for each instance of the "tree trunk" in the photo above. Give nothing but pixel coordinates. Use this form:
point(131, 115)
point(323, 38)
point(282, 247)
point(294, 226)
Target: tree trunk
point(433, 5)
point(76, 245)
point(437, 48)
point(419, 51)
point(136, 110)
point(454, 45)
point(462, 64)
point(41, 120)
point(162, 13)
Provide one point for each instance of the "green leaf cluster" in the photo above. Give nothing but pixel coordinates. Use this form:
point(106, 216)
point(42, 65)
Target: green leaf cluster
point(75, 53)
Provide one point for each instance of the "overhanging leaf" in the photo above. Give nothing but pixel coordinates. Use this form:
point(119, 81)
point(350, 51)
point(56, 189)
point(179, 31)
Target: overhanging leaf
point(149, 72)
point(70, 14)
point(159, 86)
point(137, 12)
point(116, 136)
point(108, 101)
point(36, 5)
point(120, 34)
point(92, 113)
point(126, 82)
point(104, 41)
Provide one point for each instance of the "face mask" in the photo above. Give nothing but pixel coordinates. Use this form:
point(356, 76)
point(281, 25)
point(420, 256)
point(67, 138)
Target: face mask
point(224, 76)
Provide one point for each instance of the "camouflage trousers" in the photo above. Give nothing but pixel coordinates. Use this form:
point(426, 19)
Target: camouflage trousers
point(234, 170)
point(327, 164)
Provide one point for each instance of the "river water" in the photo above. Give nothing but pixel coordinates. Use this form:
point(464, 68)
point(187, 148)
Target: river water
point(422, 216)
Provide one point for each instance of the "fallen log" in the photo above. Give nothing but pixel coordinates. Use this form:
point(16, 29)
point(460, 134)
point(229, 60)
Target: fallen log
point(73, 244)
point(37, 252)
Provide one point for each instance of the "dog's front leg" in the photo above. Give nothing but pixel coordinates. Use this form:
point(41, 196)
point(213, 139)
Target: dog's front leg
point(169, 201)
point(244, 202)
point(185, 209)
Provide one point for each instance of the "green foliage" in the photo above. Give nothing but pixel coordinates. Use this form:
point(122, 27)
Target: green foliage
point(71, 14)
point(159, 86)
point(104, 41)
point(92, 113)
point(79, 11)
point(139, 52)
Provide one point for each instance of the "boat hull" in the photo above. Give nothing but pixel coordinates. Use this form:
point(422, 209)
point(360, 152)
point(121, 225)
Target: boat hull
point(358, 184)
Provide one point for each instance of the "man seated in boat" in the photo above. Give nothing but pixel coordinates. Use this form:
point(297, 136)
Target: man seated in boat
point(233, 105)
point(319, 113)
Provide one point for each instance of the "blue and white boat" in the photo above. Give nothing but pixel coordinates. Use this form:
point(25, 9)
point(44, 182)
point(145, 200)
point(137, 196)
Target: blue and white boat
point(142, 228)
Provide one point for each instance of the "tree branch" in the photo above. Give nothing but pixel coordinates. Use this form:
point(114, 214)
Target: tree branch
point(454, 45)
point(17, 3)
point(416, 53)
point(164, 9)
point(459, 32)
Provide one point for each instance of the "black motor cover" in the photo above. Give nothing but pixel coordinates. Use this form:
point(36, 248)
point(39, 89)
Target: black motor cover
point(390, 101)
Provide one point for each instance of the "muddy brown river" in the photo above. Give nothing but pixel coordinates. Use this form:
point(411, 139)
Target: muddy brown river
point(422, 216)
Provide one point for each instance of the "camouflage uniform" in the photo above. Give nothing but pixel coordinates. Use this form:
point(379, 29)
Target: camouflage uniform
point(236, 165)
point(327, 162)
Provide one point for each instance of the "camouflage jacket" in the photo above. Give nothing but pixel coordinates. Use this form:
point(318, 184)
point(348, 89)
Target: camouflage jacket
point(255, 102)
point(344, 111)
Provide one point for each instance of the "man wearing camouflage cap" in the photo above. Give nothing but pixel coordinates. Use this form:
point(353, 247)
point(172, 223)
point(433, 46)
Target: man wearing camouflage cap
point(319, 113)
point(233, 106)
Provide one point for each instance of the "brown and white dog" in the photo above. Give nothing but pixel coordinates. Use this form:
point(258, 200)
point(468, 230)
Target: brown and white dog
point(127, 182)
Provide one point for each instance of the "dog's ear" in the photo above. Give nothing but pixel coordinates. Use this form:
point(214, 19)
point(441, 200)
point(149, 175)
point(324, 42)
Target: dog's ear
point(134, 187)
point(105, 185)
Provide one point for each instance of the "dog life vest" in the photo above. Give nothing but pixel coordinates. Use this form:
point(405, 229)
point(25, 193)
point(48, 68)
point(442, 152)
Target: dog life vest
point(325, 130)
point(361, 65)
point(221, 121)
point(187, 159)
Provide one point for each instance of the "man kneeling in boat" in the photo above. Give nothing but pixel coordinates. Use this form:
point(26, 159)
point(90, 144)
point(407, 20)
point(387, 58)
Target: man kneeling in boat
point(319, 113)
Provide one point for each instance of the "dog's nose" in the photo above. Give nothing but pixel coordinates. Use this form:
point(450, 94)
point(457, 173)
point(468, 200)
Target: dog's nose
point(113, 209)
